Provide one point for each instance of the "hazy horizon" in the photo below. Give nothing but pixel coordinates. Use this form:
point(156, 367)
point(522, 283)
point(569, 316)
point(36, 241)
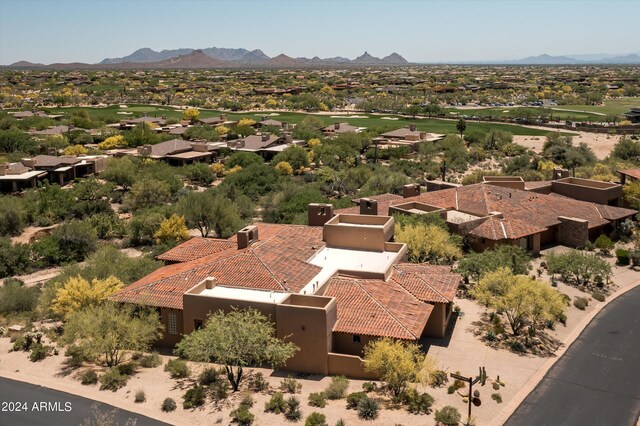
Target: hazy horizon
point(49, 31)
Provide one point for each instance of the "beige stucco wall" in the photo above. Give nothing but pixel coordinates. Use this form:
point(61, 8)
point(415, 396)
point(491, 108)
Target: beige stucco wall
point(348, 365)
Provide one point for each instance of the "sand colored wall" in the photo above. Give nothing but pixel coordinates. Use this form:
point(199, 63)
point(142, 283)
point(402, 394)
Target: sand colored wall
point(587, 190)
point(343, 343)
point(437, 323)
point(170, 340)
point(348, 365)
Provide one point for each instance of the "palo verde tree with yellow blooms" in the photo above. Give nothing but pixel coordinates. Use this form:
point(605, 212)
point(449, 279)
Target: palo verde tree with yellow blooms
point(395, 362)
point(77, 294)
point(172, 230)
point(523, 300)
point(191, 114)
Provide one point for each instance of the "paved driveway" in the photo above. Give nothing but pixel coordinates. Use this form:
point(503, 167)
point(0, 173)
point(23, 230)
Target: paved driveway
point(597, 381)
point(31, 405)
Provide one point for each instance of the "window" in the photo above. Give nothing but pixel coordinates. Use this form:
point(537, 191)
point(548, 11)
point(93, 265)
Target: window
point(197, 324)
point(172, 323)
point(356, 338)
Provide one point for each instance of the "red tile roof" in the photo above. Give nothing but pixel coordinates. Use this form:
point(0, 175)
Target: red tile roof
point(195, 248)
point(276, 262)
point(377, 308)
point(429, 283)
point(521, 209)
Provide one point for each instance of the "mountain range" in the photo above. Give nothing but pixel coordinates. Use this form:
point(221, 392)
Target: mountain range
point(214, 57)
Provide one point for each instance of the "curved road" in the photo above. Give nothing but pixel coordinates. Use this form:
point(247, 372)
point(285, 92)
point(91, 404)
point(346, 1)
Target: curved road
point(597, 381)
point(31, 405)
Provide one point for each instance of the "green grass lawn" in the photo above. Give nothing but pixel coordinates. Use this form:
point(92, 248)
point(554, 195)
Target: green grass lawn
point(611, 106)
point(428, 125)
point(509, 112)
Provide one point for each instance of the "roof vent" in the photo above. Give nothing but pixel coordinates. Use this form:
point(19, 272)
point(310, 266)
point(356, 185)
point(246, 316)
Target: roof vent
point(210, 283)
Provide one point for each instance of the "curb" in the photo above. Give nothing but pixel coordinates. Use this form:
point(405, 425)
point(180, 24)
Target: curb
point(537, 377)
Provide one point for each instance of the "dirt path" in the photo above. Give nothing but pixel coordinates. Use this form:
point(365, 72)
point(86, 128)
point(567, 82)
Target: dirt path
point(601, 144)
point(32, 233)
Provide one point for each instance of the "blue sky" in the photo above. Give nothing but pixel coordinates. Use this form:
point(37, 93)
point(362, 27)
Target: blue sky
point(431, 30)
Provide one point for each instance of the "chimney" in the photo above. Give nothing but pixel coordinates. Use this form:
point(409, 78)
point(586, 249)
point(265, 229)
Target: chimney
point(412, 127)
point(199, 147)
point(319, 214)
point(285, 125)
point(3, 169)
point(411, 190)
point(52, 151)
point(336, 126)
point(265, 137)
point(288, 138)
point(247, 236)
point(223, 117)
point(210, 283)
point(559, 173)
point(423, 136)
point(368, 206)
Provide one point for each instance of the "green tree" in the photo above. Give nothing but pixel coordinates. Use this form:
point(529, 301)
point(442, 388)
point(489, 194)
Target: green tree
point(210, 212)
point(243, 159)
point(147, 193)
point(461, 126)
point(520, 298)
point(121, 171)
point(475, 265)
point(428, 243)
point(627, 149)
point(111, 330)
point(631, 193)
point(394, 361)
point(294, 155)
point(15, 259)
point(236, 339)
point(12, 216)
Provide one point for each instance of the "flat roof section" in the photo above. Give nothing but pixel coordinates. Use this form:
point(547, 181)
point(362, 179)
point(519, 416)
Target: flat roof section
point(332, 260)
point(235, 293)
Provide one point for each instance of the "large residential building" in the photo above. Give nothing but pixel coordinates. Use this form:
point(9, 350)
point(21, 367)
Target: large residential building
point(488, 214)
point(329, 287)
point(60, 170)
point(265, 144)
point(407, 136)
point(338, 128)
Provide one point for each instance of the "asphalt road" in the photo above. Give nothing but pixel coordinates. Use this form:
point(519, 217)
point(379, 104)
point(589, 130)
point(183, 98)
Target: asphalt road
point(597, 381)
point(31, 405)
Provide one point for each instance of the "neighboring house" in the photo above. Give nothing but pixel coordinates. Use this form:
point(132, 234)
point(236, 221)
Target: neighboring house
point(330, 287)
point(222, 120)
point(339, 128)
point(21, 115)
point(131, 123)
point(16, 177)
point(629, 175)
point(265, 144)
point(633, 115)
point(50, 131)
point(268, 122)
point(489, 215)
point(406, 136)
point(59, 170)
point(179, 152)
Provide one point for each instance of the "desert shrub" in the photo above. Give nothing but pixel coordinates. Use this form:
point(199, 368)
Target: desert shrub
point(497, 397)
point(337, 389)
point(579, 268)
point(276, 404)
point(177, 368)
point(340, 423)
point(293, 412)
point(417, 402)
point(318, 399)
point(634, 256)
point(290, 385)
point(113, 380)
point(209, 376)
point(438, 378)
point(168, 405)
point(354, 398)
point(18, 344)
point(77, 356)
point(15, 297)
point(247, 399)
point(242, 415)
point(258, 383)
point(39, 352)
point(598, 295)
point(368, 409)
point(140, 397)
point(89, 377)
point(516, 346)
point(150, 361)
point(194, 397)
point(580, 303)
point(127, 368)
point(219, 390)
point(448, 415)
point(451, 389)
point(604, 244)
point(369, 386)
point(316, 419)
point(623, 256)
